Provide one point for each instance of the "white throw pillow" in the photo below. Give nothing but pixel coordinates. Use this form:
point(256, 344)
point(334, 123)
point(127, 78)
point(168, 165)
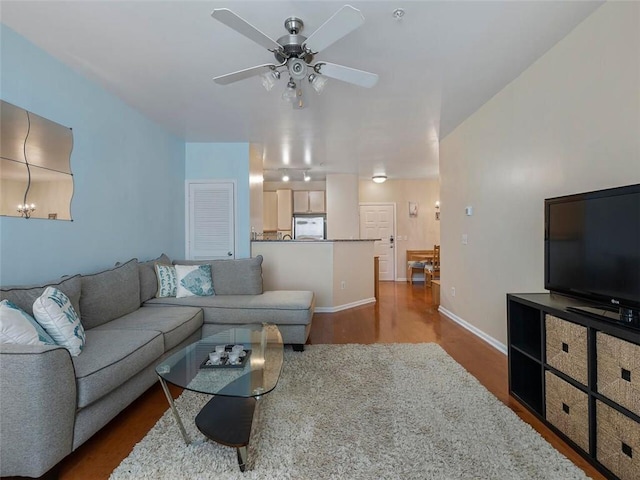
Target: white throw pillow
point(167, 281)
point(18, 327)
point(194, 280)
point(53, 310)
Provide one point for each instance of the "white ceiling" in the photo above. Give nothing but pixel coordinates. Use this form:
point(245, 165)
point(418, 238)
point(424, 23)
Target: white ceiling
point(437, 65)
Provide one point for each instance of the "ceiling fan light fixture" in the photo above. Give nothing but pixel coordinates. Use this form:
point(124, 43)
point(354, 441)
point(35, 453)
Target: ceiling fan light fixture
point(318, 82)
point(379, 178)
point(297, 68)
point(290, 93)
point(269, 79)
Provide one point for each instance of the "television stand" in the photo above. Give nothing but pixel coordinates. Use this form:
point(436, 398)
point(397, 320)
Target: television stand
point(597, 312)
point(624, 316)
point(580, 375)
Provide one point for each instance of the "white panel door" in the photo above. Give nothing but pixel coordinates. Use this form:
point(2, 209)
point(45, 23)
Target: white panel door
point(378, 221)
point(210, 220)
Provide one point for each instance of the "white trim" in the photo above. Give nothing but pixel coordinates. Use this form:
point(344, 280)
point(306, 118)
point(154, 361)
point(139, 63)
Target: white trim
point(346, 306)
point(395, 233)
point(476, 331)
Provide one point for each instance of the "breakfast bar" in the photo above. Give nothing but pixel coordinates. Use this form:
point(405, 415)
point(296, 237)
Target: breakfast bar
point(339, 272)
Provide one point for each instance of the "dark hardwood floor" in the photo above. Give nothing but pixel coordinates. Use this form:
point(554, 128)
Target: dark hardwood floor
point(404, 314)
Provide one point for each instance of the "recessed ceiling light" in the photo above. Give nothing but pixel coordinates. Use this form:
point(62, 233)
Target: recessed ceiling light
point(398, 13)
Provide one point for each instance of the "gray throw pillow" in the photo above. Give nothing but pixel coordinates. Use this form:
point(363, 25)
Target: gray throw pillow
point(24, 296)
point(242, 276)
point(148, 280)
point(110, 294)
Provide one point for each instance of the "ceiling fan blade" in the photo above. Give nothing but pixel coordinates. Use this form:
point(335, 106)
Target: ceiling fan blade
point(344, 21)
point(242, 74)
point(243, 27)
point(348, 74)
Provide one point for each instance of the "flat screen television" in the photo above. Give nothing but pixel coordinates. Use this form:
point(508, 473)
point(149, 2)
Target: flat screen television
point(592, 251)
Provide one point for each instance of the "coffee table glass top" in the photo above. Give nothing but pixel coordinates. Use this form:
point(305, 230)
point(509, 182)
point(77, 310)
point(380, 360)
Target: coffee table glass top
point(258, 376)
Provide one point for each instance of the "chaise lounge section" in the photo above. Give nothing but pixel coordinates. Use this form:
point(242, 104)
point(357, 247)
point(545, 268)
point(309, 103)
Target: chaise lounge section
point(240, 299)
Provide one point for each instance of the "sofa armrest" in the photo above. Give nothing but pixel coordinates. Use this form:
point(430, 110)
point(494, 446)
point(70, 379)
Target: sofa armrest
point(37, 408)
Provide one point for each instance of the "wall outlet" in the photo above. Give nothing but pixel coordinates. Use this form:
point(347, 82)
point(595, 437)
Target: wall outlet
point(343, 285)
point(465, 239)
point(453, 291)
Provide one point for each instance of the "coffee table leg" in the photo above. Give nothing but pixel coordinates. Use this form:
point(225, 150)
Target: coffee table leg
point(167, 393)
point(242, 457)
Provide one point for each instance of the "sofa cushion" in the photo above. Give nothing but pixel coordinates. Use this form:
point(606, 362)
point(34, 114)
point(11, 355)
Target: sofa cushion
point(193, 280)
point(167, 281)
point(293, 307)
point(24, 296)
point(148, 280)
point(111, 357)
point(53, 310)
point(20, 328)
point(241, 276)
point(110, 294)
point(175, 323)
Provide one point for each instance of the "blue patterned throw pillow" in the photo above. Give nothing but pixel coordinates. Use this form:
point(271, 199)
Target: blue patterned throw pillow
point(54, 312)
point(194, 280)
point(167, 280)
point(18, 327)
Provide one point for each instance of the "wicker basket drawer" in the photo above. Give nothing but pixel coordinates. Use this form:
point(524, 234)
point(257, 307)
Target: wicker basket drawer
point(619, 371)
point(617, 442)
point(567, 408)
point(567, 348)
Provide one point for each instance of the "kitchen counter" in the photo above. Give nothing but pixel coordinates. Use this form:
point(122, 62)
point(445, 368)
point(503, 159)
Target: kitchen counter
point(340, 272)
point(320, 241)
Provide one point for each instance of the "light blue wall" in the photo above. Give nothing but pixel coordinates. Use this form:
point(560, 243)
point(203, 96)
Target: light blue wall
point(225, 161)
point(129, 175)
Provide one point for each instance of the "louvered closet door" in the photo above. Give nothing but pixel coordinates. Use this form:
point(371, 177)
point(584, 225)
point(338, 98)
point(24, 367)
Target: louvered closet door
point(211, 220)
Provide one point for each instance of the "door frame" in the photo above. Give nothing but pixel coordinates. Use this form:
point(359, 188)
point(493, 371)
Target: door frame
point(394, 228)
point(187, 207)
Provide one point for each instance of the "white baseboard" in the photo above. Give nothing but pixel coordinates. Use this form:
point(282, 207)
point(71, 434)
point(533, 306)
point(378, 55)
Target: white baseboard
point(501, 347)
point(346, 306)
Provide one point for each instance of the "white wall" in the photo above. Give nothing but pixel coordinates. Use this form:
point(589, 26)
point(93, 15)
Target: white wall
point(353, 273)
point(256, 182)
point(569, 123)
point(342, 206)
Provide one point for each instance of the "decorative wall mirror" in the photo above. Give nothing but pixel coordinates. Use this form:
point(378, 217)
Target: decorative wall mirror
point(35, 165)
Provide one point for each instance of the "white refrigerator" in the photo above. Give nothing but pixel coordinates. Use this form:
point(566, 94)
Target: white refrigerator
point(309, 227)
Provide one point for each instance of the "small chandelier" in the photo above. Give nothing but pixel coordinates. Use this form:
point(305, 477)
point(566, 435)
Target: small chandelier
point(26, 210)
point(298, 71)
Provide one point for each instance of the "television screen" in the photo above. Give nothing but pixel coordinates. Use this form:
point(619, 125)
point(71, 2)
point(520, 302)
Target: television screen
point(592, 246)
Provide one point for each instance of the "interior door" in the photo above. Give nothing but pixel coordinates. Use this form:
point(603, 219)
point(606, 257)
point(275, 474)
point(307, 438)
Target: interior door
point(210, 220)
point(378, 221)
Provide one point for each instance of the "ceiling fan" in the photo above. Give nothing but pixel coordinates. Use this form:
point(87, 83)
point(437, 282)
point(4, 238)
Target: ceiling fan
point(294, 54)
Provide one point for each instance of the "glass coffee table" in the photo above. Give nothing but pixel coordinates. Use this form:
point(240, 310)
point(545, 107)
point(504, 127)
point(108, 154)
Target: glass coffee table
point(227, 418)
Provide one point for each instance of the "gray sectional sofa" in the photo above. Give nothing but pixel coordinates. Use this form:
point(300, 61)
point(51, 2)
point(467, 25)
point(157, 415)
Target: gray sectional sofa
point(51, 402)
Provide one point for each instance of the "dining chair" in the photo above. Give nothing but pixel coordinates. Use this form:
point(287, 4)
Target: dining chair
point(432, 270)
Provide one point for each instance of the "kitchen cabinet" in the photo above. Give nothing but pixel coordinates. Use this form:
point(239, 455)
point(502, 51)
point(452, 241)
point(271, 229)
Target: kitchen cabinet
point(270, 211)
point(285, 209)
point(308, 201)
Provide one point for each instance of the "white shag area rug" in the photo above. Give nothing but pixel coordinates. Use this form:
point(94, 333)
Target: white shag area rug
point(406, 411)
